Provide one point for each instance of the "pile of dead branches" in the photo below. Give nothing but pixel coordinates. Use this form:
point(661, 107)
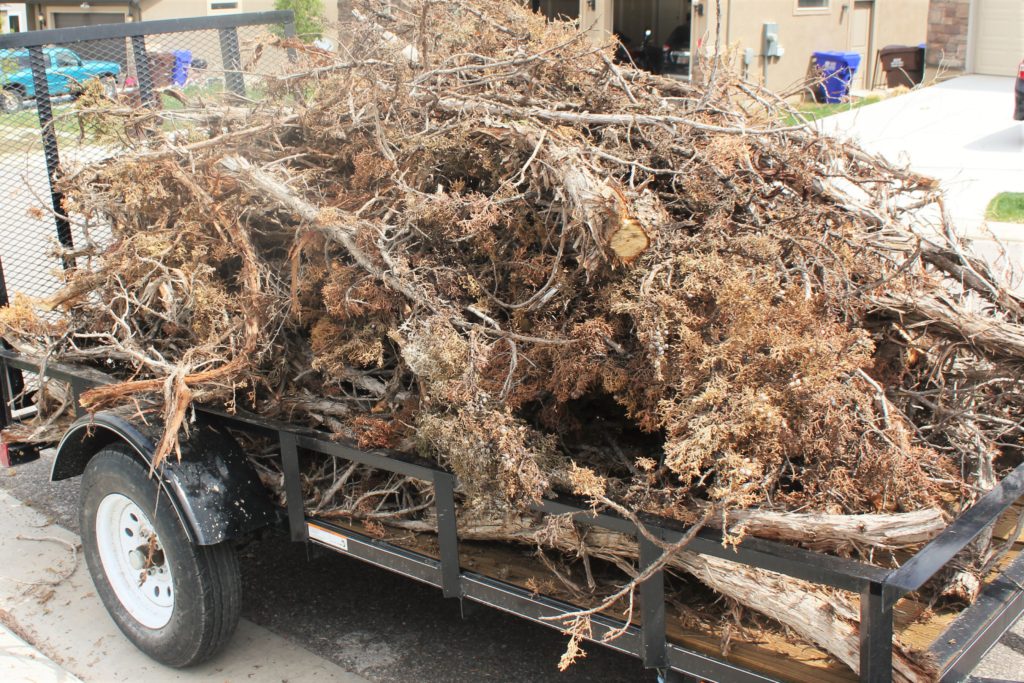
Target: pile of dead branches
point(476, 237)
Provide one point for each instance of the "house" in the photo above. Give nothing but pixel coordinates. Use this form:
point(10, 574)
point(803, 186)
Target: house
point(975, 36)
point(13, 18)
point(799, 27)
point(65, 13)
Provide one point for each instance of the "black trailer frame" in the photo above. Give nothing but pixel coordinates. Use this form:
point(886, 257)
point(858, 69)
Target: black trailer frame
point(957, 650)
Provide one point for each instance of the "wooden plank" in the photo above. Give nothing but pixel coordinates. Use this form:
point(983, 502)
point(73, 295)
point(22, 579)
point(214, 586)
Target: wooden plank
point(773, 653)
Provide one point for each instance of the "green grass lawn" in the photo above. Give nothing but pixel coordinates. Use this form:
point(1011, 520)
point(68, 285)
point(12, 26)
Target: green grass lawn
point(1006, 207)
point(208, 92)
point(19, 131)
point(812, 111)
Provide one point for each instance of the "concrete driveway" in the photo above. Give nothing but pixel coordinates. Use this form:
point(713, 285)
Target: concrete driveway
point(961, 131)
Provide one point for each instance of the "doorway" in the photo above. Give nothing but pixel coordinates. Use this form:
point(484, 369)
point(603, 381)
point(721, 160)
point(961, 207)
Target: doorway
point(862, 29)
point(662, 17)
point(557, 9)
point(667, 49)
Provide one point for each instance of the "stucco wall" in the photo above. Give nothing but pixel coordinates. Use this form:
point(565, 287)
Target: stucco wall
point(901, 22)
point(801, 33)
point(174, 9)
point(599, 21)
point(167, 9)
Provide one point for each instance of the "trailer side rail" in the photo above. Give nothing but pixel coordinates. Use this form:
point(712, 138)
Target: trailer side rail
point(958, 650)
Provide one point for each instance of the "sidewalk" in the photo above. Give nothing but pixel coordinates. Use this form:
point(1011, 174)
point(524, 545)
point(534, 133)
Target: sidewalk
point(960, 131)
point(47, 599)
point(19, 662)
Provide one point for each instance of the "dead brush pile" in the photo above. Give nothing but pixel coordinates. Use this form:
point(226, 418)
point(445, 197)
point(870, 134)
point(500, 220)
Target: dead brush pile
point(477, 238)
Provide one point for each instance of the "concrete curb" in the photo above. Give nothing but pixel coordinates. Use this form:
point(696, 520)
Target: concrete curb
point(21, 662)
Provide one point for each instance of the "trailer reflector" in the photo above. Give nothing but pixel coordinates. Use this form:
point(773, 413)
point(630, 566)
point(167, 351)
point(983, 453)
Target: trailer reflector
point(327, 537)
point(12, 454)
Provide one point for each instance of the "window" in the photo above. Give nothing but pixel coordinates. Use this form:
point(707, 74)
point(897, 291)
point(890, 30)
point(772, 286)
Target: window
point(812, 4)
point(67, 59)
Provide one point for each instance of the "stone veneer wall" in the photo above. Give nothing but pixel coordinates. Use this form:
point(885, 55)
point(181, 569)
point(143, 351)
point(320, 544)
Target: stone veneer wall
point(947, 34)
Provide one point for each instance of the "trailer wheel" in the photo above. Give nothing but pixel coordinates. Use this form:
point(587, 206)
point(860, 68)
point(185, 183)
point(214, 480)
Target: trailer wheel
point(10, 100)
point(177, 602)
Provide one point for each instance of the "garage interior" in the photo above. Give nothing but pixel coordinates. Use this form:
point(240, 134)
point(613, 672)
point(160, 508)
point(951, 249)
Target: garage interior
point(632, 18)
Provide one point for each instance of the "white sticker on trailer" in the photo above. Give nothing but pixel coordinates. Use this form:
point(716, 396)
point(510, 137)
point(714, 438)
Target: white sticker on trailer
point(329, 538)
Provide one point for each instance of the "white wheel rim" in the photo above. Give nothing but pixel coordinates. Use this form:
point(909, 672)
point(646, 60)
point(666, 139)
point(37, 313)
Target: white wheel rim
point(124, 537)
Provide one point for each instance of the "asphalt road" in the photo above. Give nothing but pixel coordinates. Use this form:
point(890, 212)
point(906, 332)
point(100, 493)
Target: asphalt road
point(367, 620)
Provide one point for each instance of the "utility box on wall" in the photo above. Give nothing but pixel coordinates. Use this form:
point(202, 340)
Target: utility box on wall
point(770, 45)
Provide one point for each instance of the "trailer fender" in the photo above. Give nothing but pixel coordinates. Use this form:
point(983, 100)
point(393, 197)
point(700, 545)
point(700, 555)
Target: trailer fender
point(215, 491)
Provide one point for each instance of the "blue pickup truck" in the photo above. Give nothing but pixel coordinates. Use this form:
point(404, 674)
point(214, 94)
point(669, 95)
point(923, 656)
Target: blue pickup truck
point(65, 74)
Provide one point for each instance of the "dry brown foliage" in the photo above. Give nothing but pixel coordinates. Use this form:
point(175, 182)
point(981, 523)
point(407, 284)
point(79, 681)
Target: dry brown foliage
point(477, 237)
point(518, 256)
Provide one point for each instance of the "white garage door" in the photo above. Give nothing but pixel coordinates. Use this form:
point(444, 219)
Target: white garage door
point(999, 37)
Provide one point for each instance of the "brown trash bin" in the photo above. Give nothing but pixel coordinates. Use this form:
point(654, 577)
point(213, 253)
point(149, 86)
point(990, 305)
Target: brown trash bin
point(903, 65)
point(161, 64)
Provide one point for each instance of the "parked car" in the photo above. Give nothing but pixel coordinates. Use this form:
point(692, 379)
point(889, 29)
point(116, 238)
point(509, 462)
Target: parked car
point(65, 74)
point(646, 56)
point(676, 51)
point(1018, 114)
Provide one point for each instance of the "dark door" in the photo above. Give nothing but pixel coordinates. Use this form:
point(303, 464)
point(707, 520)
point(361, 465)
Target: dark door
point(69, 19)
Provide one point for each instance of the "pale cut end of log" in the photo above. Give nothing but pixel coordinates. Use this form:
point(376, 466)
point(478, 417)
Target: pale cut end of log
point(629, 241)
point(624, 235)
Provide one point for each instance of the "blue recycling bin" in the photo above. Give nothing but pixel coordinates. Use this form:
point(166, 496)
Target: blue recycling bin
point(182, 62)
point(837, 69)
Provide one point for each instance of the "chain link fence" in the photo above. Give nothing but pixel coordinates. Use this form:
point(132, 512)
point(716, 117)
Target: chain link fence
point(55, 86)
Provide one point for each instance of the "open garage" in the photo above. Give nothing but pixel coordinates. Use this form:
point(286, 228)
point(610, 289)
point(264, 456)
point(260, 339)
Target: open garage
point(769, 40)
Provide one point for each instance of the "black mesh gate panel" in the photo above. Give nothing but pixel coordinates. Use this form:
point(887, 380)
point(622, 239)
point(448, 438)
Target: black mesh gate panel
point(58, 89)
point(54, 83)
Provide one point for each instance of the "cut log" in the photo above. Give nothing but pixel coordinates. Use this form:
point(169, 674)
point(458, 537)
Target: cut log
point(599, 206)
point(992, 335)
point(829, 619)
point(840, 533)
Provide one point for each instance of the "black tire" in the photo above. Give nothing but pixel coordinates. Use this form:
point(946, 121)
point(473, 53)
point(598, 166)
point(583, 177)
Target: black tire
point(206, 581)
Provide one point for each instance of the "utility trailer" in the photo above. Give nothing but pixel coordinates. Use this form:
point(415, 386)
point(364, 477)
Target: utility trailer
point(182, 533)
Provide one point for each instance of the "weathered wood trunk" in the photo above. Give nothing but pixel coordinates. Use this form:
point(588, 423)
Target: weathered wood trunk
point(840, 533)
point(827, 618)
